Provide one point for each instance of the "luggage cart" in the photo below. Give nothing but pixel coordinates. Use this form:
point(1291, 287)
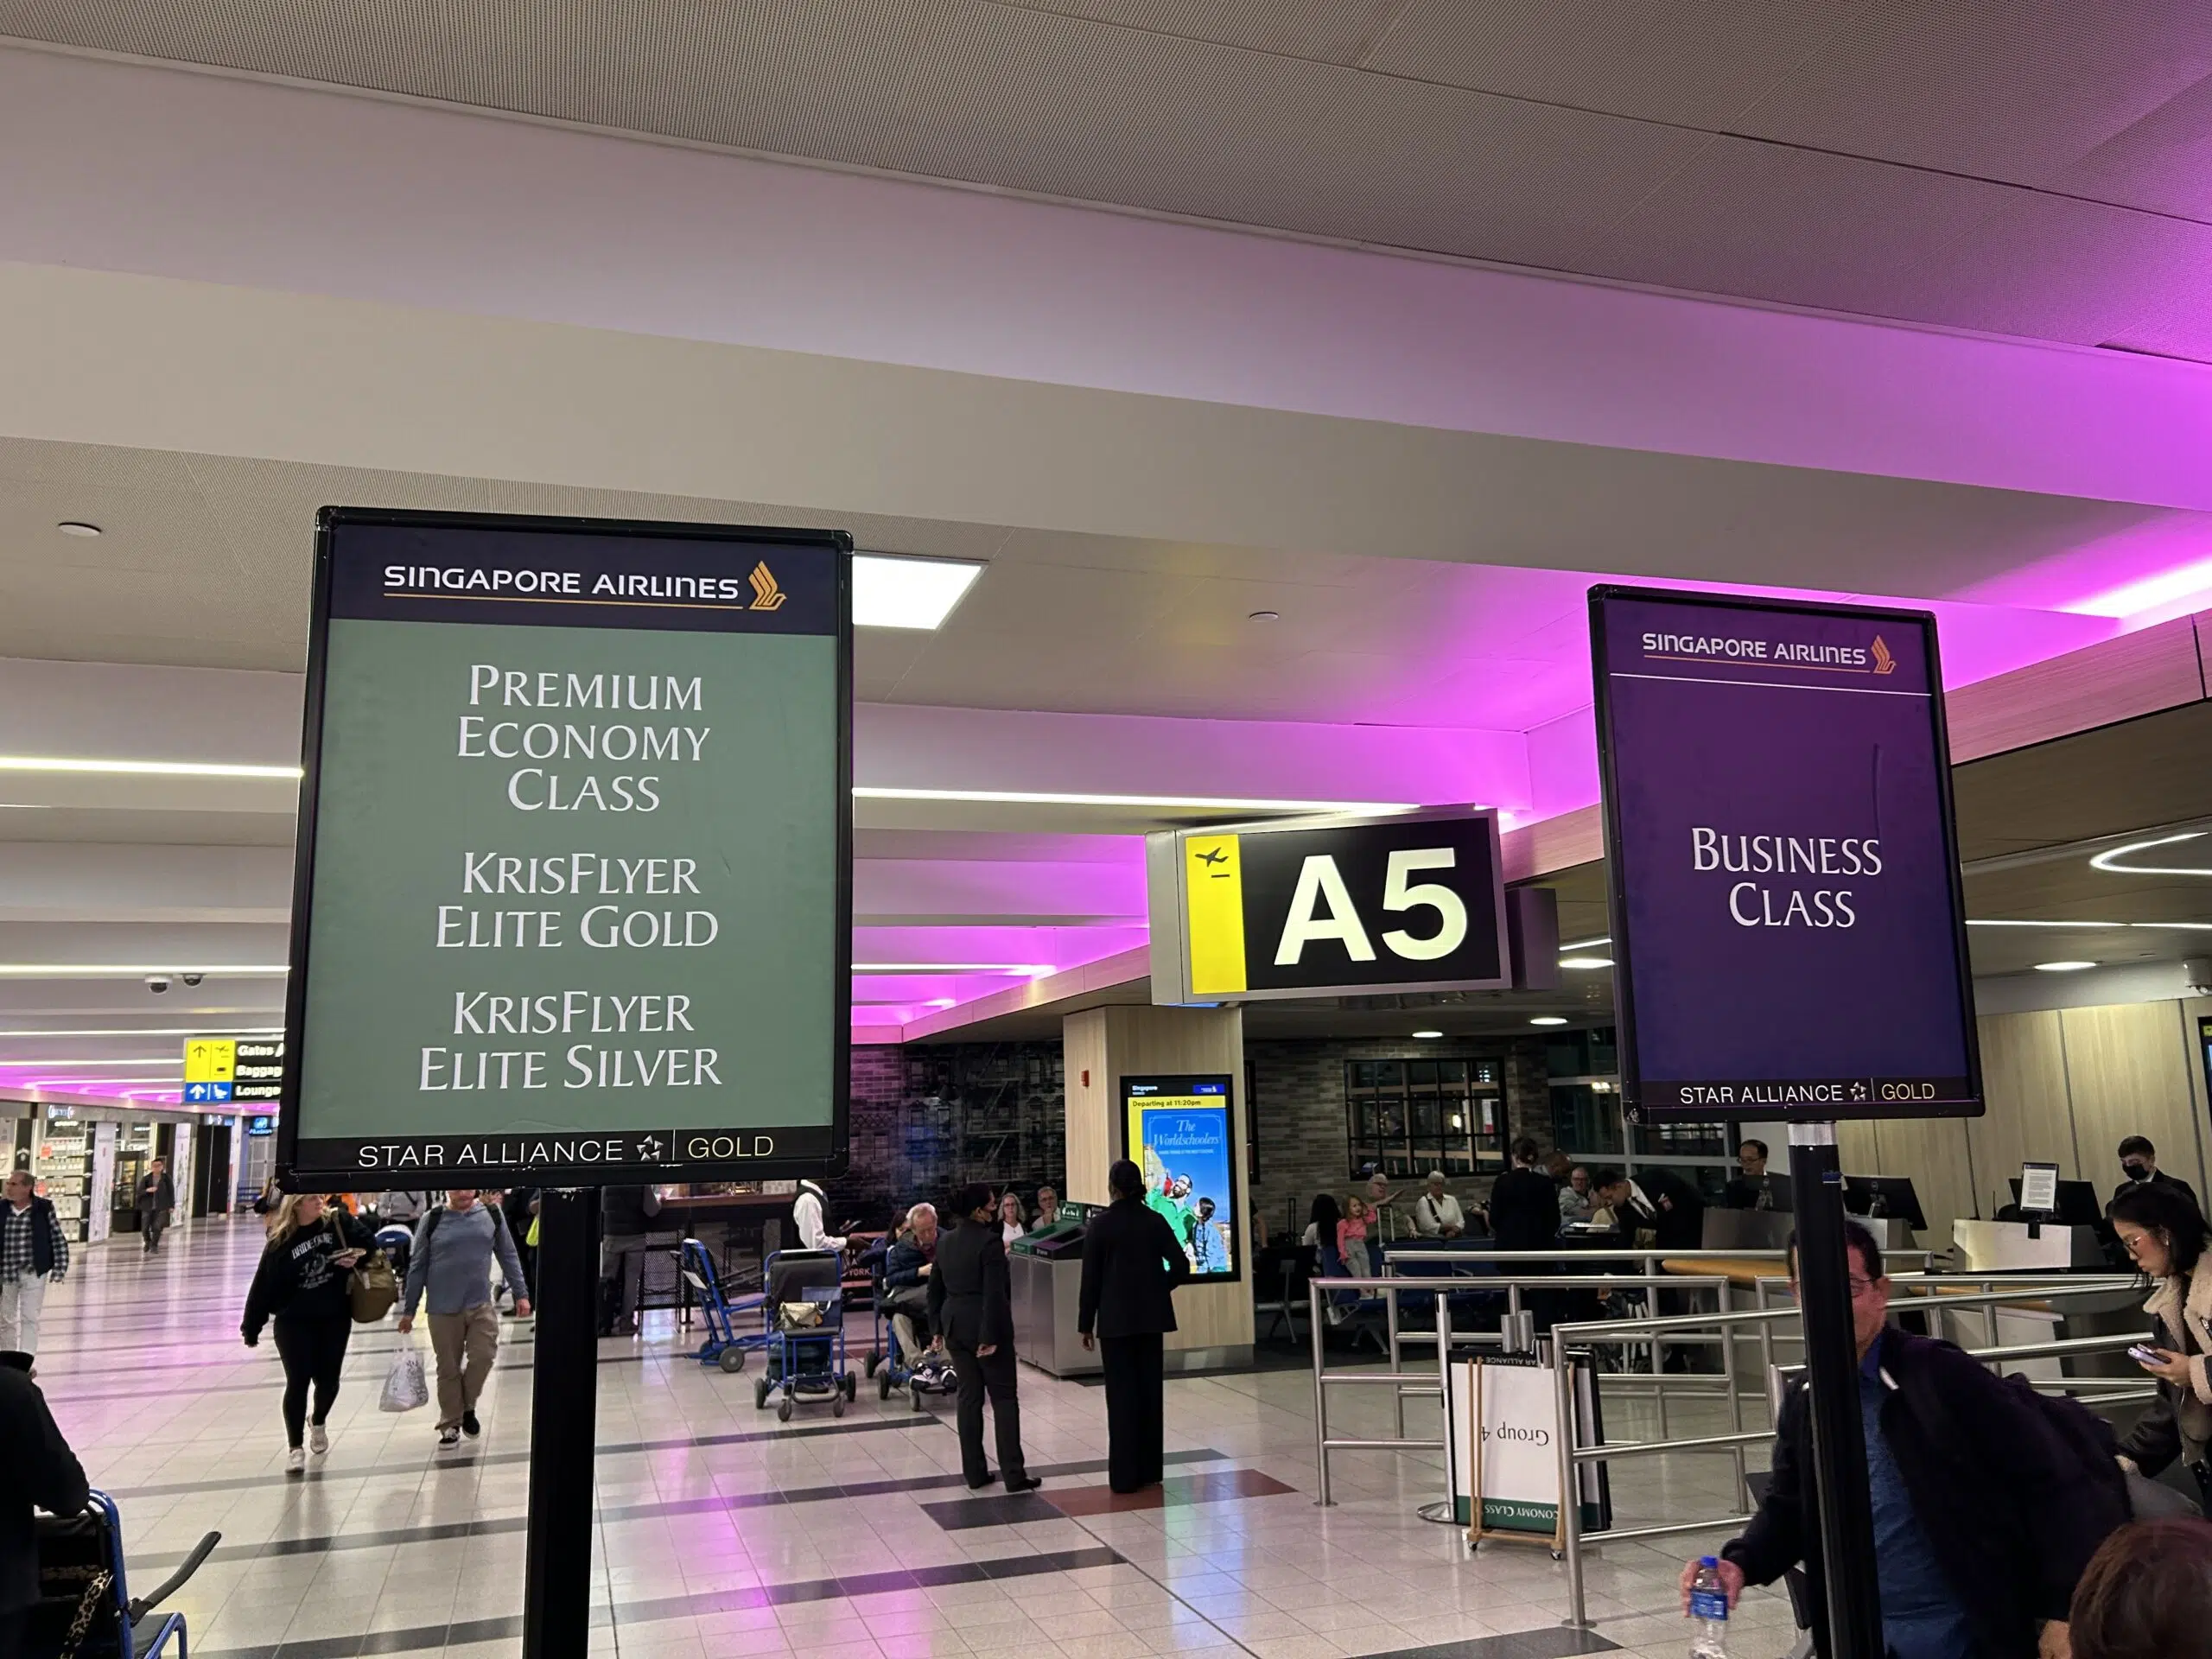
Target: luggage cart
point(726, 1345)
point(805, 1352)
point(83, 1593)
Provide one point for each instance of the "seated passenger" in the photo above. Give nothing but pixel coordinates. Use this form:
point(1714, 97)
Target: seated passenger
point(1575, 1203)
point(906, 1268)
point(1437, 1214)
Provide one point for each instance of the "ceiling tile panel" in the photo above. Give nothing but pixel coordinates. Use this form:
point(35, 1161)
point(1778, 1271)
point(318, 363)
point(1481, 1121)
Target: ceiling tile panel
point(2163, 163)
point(1334, 31)
point(1407, 164)
point(1072, 108)
point(2002, 89)
point(1797, 226)
point(1695, 62)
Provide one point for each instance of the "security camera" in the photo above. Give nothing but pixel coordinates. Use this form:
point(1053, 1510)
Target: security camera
point(190, 979)
point(2197, 970)
point(157, 983)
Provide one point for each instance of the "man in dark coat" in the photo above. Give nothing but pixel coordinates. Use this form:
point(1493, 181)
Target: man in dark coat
point(1131, 1261)
point(155, 1198)
point(1524, 1205)
point(1985, 1515)
point(971, 1306)
point(42, 1471)
point(1656, 1201)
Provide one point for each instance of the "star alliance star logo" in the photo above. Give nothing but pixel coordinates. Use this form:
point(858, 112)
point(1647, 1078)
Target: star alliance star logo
point(649, 1149)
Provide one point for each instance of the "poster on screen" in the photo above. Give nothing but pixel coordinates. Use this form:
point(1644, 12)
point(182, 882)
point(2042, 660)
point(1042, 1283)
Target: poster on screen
point(1520, 1442)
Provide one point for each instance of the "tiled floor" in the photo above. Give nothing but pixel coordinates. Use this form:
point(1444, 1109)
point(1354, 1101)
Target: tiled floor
point(721, 1531)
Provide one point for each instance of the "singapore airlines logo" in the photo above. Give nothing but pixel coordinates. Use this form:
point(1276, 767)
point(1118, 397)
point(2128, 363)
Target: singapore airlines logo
point(1883, 662)
point(766, 597)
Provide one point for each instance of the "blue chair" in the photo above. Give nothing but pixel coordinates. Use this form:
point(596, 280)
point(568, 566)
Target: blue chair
point(85, 1605)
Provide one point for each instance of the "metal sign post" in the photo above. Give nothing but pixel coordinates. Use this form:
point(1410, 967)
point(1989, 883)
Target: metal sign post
point(1824, 1274)
point(563, 1408)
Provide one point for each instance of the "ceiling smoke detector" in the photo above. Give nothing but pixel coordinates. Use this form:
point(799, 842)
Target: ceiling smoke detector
point(77, 527)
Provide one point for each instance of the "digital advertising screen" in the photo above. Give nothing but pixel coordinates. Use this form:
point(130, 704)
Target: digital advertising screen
point(1787, 917)
point(572, 899)
point(1181, 1133)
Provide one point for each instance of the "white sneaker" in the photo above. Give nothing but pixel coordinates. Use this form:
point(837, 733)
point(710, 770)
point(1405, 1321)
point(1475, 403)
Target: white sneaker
point(296, 1461)
point(318, 1439)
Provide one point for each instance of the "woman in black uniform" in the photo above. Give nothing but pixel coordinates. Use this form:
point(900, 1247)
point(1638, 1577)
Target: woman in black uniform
point(304, 1282)
point(1132, 1263)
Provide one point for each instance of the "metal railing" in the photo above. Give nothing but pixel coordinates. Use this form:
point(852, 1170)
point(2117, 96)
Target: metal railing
point(1428, 1385)
point(1575, 1456)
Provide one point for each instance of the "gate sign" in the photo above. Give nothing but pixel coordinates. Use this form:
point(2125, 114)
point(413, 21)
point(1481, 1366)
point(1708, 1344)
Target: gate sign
point(573, 902)
point(1788, 923)
point(1327, 906)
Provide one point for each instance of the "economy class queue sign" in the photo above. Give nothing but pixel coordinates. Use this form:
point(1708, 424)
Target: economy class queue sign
point(573, 897)
point(1789, 930)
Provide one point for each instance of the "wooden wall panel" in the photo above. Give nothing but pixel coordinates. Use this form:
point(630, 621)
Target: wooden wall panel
point(2194, 1009)
point(1089, 1096)
point(2129, 1066)
point(2024, 1075)
point(1934, 1153)
point(1119, 1041)
point(2135, 674)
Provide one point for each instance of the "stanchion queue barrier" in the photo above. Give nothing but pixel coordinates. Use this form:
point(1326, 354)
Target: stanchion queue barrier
point(1596, 1333)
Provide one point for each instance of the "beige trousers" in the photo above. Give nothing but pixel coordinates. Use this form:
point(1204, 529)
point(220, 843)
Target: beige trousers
point(465, 1344)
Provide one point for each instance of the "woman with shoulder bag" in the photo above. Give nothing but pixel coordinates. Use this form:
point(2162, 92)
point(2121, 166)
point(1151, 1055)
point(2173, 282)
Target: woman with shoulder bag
point(2166, 1234)
point(305, 1283)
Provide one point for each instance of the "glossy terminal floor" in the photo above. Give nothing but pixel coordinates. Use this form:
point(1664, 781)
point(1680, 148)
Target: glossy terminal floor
point(721, 1531)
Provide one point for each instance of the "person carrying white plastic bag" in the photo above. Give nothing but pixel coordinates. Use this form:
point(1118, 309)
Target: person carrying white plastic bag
point(405, 1387)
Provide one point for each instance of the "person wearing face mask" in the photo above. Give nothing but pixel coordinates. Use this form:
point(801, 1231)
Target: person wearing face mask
point(2166, 1236)
point(2140, 1158)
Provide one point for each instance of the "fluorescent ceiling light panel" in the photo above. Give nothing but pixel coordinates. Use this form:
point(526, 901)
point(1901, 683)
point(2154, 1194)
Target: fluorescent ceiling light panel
point(1586, 961)
point(1585, 945)
point(116, 970)
point(899, 593)
point(2062, 967)
point(2108, 860)
point(153, 1030)
point(56, 763)
point(2150, 593)
point(89, 1059)
point(1427, 1036)
point(1976, 921)
point(1192, 802)
point(1549, 1020)
point(1007, 969)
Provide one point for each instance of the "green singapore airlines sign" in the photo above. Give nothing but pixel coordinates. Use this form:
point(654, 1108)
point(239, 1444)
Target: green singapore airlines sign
point(573, 898)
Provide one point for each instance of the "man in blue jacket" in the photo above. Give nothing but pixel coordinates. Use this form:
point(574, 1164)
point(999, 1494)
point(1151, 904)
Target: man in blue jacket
point(1985, 1513)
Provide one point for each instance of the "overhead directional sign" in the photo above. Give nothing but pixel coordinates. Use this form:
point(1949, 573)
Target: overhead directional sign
point(221, 1070)
point(1327, 906)
point(1788, 919)
point(573, 898)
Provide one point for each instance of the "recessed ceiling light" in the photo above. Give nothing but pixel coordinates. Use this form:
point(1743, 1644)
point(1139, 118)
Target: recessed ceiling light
point(1585, 945)
point(890, 592)
point(2109, 860)
point(2062, 967)
point(1586, 961)
point(1427, 1036)
point(1549, 1020)
point(1264, 616)
point(77, 527)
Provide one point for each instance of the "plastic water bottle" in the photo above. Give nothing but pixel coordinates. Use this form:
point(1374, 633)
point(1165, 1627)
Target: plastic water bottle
point(1709, 1611)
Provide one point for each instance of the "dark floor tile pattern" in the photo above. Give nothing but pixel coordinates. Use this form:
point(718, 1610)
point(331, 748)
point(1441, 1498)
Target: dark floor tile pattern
point(369, 1472)
point(1557, 1642)
point(1001, 1509)
point(1214, 1487)
point(430, 1637)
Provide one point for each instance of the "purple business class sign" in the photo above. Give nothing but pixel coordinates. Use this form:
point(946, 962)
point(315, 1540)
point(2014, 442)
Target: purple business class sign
point(1787, 924)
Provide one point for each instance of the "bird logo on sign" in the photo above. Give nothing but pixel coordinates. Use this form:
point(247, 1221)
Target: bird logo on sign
point(1885, 661)
point(766, 595)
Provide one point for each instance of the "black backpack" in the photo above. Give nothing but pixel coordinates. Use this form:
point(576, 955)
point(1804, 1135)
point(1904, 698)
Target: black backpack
point(2088, 1436)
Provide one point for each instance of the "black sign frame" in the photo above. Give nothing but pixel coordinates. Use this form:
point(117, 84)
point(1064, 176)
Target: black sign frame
point(291, 1174)
point(1634, 1109)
